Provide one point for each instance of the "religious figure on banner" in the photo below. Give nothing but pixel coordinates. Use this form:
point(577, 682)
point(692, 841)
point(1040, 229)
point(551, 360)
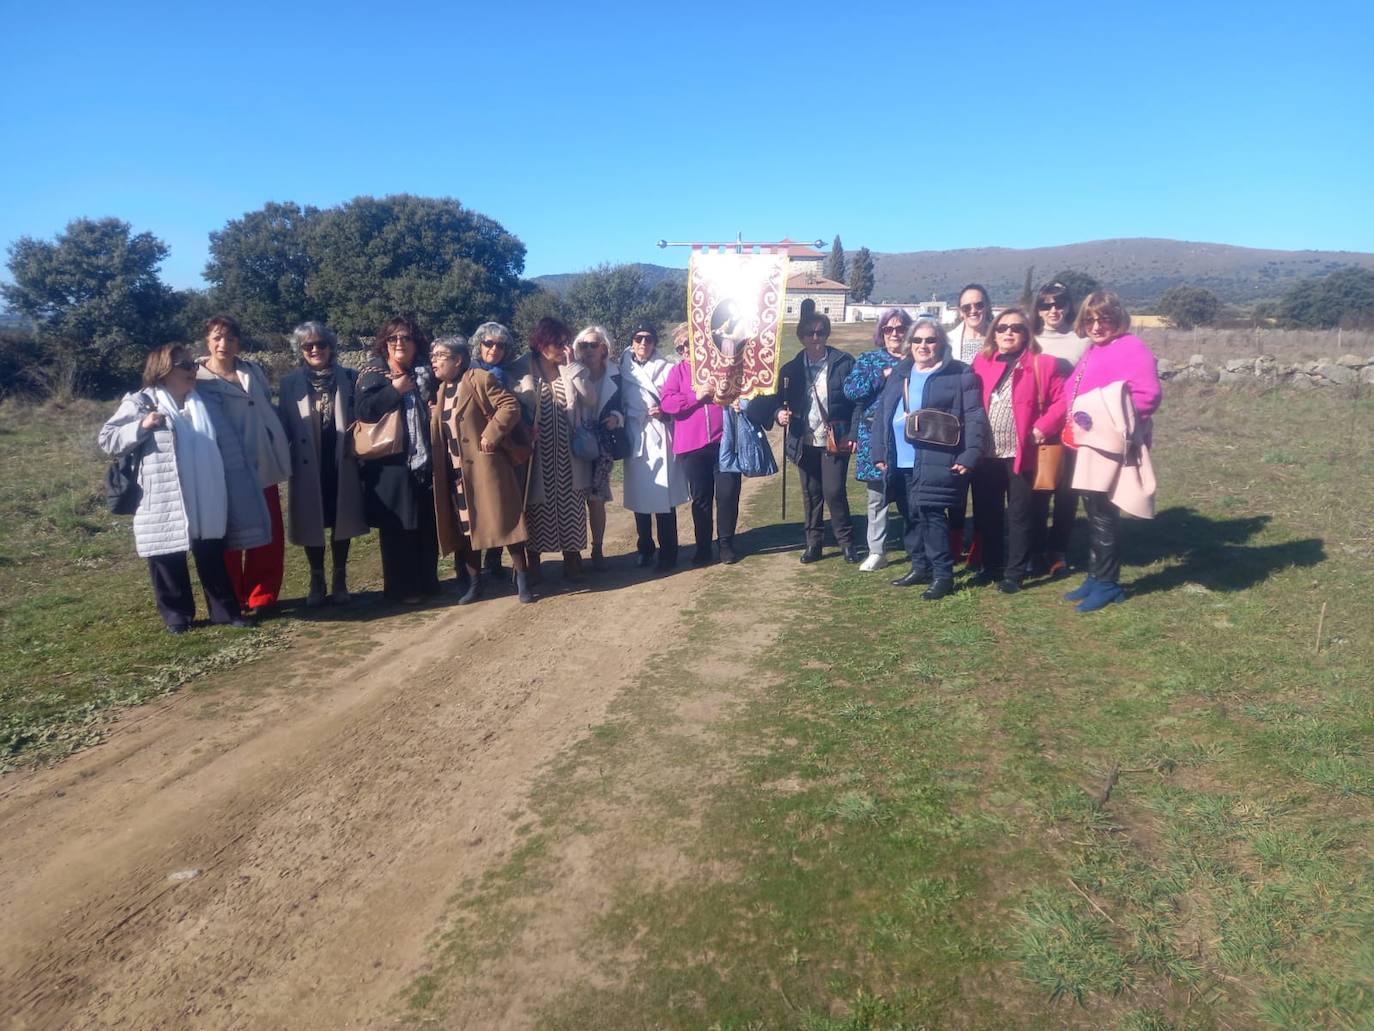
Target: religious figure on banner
point(735, 304)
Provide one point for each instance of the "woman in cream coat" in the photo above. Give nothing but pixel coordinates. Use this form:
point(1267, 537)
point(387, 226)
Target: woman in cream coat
point(654, 482)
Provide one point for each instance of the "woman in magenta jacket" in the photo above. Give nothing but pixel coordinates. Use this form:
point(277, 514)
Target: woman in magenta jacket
point(1023, 395)
point(1114, 356)
point(698, 417)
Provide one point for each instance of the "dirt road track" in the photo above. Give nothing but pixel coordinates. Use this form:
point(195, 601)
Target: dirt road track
point(331, 806)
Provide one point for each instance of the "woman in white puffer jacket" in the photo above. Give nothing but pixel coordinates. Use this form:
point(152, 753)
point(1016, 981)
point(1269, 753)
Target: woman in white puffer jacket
point(197, 492)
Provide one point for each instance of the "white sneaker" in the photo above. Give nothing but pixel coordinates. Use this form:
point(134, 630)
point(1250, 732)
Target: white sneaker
point(873, 562)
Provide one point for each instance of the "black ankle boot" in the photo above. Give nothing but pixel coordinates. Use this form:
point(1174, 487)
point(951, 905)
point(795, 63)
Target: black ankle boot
point(522, 588)
point(474, 590)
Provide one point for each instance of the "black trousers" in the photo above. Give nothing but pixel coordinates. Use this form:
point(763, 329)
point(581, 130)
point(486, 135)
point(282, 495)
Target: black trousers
point(172, 593)
point(706, 484)
point(1052, 534)
point(927, 533)
point(667, 534)
point(823, 484)
point(410, 558)
point(338, 550)
point(1003, 512)
point(1104, 536)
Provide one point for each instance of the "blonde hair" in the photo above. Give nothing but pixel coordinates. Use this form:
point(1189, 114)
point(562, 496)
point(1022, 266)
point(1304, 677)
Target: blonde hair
point(595, 334)
point(1102, 303)
point(989, 349)
point(682, 332)
point(159, 363)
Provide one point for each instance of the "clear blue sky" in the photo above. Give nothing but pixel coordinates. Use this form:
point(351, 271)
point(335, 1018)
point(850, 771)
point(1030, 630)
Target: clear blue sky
point(592, 131)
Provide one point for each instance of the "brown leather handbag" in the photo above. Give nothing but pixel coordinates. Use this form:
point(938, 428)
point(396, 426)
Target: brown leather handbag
point(1049, 456)
point(379, 439)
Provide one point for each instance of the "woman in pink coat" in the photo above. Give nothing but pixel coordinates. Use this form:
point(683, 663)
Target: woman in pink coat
point(1023, 395)
point(1115, 356)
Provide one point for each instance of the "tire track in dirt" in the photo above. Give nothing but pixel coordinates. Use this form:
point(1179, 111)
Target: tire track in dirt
point(330, 816)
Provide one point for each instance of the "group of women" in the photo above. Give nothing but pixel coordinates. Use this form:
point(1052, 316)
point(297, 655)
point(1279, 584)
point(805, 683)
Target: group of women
point(447, 447)
point(979, 409)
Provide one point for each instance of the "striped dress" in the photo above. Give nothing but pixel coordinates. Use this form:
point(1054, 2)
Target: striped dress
point(560, 524)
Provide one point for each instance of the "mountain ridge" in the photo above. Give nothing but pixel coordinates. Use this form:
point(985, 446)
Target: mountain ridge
point(1140, 269)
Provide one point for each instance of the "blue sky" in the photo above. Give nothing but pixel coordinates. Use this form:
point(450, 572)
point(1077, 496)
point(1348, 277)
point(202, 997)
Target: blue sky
point(592, 131)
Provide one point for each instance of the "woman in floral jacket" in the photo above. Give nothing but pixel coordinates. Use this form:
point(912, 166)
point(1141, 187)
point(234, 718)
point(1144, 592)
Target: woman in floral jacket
point(864, 386)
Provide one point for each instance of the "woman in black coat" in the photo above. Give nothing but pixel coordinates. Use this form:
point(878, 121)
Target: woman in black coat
point(398, 490)
point(812, 398)
point(934, 476)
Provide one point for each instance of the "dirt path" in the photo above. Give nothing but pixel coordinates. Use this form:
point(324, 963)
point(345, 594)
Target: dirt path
point(328, 816)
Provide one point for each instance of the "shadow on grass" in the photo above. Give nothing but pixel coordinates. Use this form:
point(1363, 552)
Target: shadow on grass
point(1212, 552)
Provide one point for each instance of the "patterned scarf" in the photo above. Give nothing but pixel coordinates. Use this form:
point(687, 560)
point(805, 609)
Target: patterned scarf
point(323, 384)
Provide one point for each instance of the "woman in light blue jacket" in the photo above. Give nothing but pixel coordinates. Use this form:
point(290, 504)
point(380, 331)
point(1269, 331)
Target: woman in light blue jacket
point(197, 491)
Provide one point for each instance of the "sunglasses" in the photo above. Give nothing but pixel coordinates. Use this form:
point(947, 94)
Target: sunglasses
point(681, 348)
point(315, 345)
point(641, 338)
point(969, 309)
point(1056, 304)
point(822, 334)
point(888, 330)
point(1094, 320)
point(185, 365)
point(1018, 328)
point(924, 341)
point(400, 338)
point(491, 344)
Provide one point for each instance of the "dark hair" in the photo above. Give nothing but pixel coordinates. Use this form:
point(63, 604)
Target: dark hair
point(410, 326)
point(225, 322)
point(549, 330)
point(159, 363)
point(990, 339)
point(987, 299)
point(810, 318)
point(1055, 291)
point(645, 327)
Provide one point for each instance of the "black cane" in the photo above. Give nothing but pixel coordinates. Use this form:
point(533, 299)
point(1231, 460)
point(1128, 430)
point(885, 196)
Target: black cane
point(784, 448)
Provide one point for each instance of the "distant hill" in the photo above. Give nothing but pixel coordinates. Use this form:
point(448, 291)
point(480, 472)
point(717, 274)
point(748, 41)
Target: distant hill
point(653, 275)
point(1140, 270)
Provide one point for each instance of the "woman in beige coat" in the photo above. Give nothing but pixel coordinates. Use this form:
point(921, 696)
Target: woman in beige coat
point(316, 408)
point(479, 441)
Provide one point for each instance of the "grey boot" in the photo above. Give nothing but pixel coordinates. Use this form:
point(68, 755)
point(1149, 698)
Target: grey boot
point(315, 598)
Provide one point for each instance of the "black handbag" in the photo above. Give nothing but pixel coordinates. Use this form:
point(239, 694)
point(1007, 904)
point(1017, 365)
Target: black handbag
point(122, 492)
point(929, 425)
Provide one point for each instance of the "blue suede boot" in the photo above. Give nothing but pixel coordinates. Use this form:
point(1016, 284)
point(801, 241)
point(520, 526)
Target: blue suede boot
point(1082, 590)
point(1103, 594)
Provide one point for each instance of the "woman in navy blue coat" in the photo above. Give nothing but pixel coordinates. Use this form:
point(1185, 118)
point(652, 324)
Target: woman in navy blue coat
point(932, 476)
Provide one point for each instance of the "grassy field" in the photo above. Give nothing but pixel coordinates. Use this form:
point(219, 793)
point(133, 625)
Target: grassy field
point(77, 625)
point(904, 818)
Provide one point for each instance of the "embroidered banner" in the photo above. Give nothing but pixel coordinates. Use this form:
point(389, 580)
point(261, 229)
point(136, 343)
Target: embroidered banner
point(734, 308)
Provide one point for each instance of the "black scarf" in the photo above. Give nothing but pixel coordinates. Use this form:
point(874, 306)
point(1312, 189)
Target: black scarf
point(323, 384)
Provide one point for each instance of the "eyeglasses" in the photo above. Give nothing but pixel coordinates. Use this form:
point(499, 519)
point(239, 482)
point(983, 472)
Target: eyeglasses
point(969, 309)
point(1094, 320)
point(315, 345)
point(888, 330)
point(185, 365)
point(1056, 304)
point(642, 338)
point(924, 341)
point(1019, 328)
point(400, 338)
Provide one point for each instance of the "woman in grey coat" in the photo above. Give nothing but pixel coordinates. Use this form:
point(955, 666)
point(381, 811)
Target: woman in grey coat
point(198, 492)
point(316, 407)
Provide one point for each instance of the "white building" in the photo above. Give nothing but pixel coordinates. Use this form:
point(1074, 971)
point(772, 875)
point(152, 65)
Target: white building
point(933, 309)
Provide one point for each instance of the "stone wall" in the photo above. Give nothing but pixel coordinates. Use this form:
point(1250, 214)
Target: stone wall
point(1346, 370)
